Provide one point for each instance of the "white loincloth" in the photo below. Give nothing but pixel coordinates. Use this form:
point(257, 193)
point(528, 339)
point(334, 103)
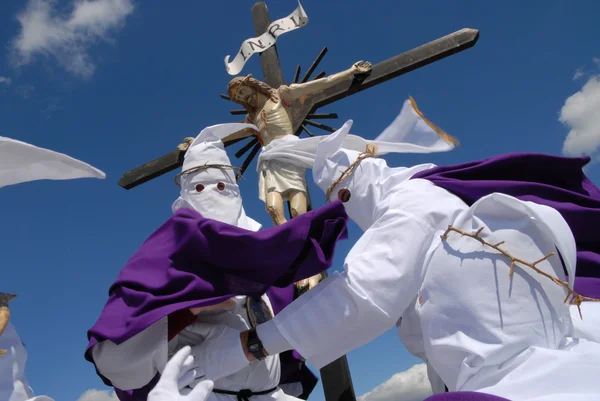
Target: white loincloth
point(276, 176)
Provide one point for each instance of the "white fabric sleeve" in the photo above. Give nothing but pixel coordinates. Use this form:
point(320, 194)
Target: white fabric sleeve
point(272, 339)
point(382, 276)
point(134, 363)
point(437, 384)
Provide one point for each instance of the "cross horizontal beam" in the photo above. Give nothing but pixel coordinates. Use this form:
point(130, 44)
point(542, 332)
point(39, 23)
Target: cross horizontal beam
point(152, 169)
point(384, 71)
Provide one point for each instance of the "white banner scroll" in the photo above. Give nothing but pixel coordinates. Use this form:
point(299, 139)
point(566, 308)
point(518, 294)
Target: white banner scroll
point(295, 20)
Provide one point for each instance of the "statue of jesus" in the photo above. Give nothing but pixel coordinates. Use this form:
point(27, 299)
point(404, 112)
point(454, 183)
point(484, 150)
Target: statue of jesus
point(269, 109)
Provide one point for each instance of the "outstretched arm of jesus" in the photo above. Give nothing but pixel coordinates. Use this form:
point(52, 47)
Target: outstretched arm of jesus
point(295, 91)
point(383, 273)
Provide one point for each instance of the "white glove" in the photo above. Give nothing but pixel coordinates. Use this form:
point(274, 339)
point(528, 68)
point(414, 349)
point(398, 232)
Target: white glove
point(179, 372)
point(220, 354)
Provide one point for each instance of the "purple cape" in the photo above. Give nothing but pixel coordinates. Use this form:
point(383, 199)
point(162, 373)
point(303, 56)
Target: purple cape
point(464, 396)
point(558, 182)
point(191, 261)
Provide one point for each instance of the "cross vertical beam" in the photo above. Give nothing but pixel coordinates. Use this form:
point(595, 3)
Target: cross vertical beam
point(336, 378)
point(269, 59)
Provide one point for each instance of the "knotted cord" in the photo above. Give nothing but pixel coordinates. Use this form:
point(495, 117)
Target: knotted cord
point(177, 177)
point(370, 151)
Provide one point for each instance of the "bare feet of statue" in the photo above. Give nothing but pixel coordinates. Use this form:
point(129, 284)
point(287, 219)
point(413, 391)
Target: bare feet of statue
point(361, 67)
point(4, 314)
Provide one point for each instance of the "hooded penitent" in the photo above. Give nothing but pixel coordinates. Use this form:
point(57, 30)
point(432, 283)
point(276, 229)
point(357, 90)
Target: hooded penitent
point(558, 182)
point(209, 251)
point(547, 180)
point(404, 263)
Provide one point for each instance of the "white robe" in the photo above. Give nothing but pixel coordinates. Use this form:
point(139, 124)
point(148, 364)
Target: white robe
point(482, 330)
point(13, 383)
point(133, 363)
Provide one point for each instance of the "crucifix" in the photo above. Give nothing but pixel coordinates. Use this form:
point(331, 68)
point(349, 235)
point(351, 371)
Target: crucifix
point(297, 104)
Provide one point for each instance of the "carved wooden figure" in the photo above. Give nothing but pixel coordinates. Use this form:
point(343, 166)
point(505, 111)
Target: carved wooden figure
point(271, 110)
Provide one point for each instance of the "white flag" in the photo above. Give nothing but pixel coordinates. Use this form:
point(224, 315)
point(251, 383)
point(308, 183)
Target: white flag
point(295, 20)
point(22, 162)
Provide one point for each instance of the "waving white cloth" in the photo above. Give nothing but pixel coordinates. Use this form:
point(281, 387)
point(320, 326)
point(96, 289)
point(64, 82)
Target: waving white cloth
point(22, 162)
point(410, 132)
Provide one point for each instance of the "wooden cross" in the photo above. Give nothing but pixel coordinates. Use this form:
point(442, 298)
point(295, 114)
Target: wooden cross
point(336, 378)
point(381, 72)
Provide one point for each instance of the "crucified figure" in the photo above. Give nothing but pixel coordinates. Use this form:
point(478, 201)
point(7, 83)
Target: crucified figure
point(270, 110)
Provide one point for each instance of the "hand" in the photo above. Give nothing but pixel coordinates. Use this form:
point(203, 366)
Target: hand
point(186, 143)
point(180, 372)
point(361, 67)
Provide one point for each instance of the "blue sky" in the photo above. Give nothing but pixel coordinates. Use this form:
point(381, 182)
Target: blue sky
point(127, 85)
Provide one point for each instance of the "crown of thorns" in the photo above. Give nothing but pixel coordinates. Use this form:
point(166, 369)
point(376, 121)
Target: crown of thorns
point(206, 166)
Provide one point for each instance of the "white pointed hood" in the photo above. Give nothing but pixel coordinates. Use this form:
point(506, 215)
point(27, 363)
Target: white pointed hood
point(219, 198)
point(21, 162)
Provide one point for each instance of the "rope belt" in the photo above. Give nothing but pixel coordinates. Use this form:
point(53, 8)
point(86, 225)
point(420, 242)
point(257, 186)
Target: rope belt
point(245, 394)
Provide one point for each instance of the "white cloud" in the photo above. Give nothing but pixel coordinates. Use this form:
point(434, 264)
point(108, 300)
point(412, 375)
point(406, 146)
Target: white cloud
point(5, 80)
point(98, 395)
point(581, 114)
point(67, 38)
point(410, 385)
point(578, 74)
